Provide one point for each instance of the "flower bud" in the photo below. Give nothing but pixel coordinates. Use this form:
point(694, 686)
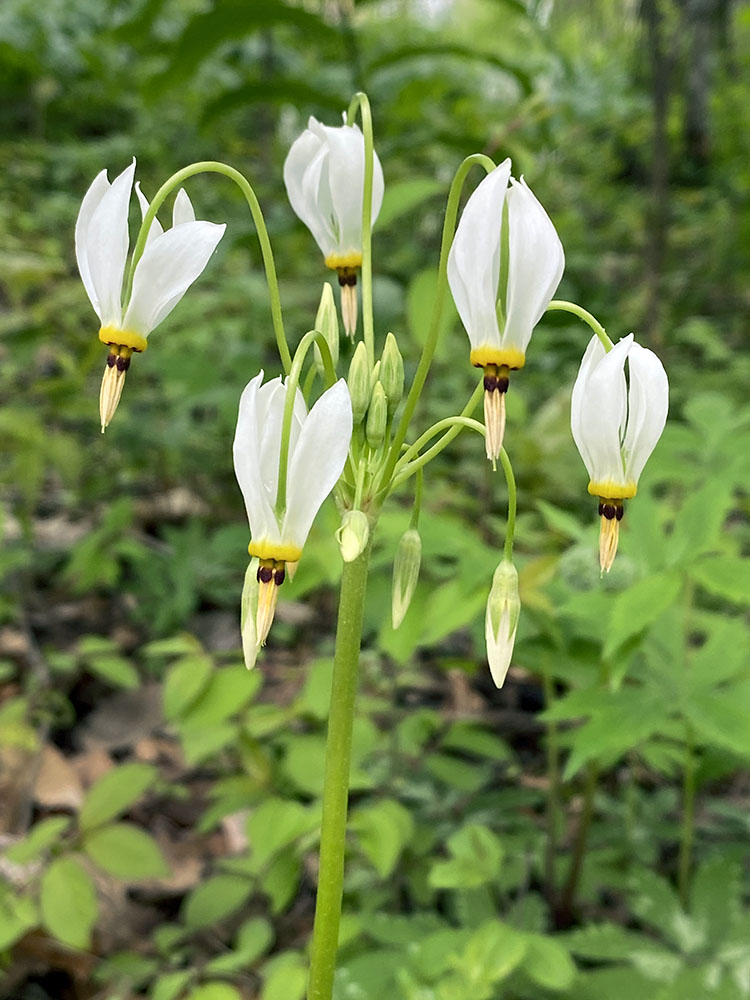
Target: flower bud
point(327, 321)
point(353, 534)
point(392, 373)
point(405, 574)
point(377, 416)
point(501, 622)
point(359, 383)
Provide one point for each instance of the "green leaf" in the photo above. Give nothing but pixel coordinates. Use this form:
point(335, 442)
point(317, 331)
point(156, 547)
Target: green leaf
point(115, 792)
point(68, 902)
point(203, 742)
point(490, 955)
point(116, 670)
point(477, 855)
point(214, 991)
point(475, 739)
point(721, 718)
point(698, 524)
point(38, 839)
point(281, 880)
point(725, 576)
point(610, 942)
point(410, 53)
point(225, 695)
point(716, 897)
point(213, 900)
point(640, 606)
point(276, 824)
point(185, 681)
point(404, 196)
point(126, 852)
point(18, 914)
point(253, 939)
point(548, 962)
point(383, 830)
point(285, 977)
point(170, 985)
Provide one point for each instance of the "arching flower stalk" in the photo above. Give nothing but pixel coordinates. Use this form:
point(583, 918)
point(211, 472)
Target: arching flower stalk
point(318, 447)
point(504, 266)
point(616, 426)
point(170, 263)
point(324, 177)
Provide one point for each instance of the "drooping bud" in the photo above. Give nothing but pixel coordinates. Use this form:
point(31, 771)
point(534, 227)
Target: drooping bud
point(248, 611)
point(392, 373)
point(359, 383)
point(501, 621)
point(405, 574)
point(327, 321)
point(377, 416)
point(353, 534)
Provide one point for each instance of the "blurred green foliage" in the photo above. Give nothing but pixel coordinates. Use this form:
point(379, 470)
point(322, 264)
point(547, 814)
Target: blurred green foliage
point(462, 880)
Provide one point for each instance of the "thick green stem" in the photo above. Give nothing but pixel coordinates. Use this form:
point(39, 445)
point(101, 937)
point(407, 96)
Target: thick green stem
point(336, 778)
point(214, 167)
point(362, 102)
point(586, 316)
point(449, 228)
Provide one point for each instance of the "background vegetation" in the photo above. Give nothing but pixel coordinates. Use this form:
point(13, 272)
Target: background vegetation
point(581, 833)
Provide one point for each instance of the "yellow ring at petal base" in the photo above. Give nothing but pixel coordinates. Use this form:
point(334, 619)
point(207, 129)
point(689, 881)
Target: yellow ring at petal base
point(123, 338)
point(336, 261)
point(608, 489)
point(510, 356)
point(264, 549)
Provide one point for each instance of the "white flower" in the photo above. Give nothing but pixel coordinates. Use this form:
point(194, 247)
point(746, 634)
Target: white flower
point(324, 174)
point(170, 263)
point(501, 620)
point(318, 447)
point(500, 317)
point(616, 425)
point(504, 266)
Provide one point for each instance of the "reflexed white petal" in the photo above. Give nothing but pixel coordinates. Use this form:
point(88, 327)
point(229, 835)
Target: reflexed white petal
point(107, 246)
point(247, 465)
point(95, 193)
point(593, 355)
point(155, 228)
point(317, 460)
point(648, 402)
point(499, 645)
point(307, 155)
point(535, 268)
point(474, 259)
point(166, 270)
point(183, 210)
point(324, 178)
point(601, 411)
point(346, 176)
point(271, 402)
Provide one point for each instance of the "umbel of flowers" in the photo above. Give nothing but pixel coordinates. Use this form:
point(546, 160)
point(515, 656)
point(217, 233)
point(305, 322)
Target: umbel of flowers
point(311, 432)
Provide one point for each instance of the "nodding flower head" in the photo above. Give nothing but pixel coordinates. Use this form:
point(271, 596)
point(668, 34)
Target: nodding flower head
point(324, 174)
point(171, 262)
point(318, 447)
point(616, 425)
point(503, 269)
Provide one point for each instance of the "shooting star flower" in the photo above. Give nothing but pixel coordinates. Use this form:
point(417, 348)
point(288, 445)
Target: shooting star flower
point(171, 262)
point(504, 266)
point(318, 447)
point(616, 426)
point(324, 174)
